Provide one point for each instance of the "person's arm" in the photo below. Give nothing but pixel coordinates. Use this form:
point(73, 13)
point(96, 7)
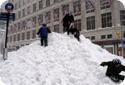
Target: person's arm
point(49, 31)
point(105, 63)
point(122, 67)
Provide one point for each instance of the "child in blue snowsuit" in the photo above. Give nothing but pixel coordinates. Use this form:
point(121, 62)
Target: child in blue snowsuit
point(43, 33)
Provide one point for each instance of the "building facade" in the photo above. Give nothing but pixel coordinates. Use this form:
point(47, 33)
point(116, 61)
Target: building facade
point(2, 40)
point(102, 21)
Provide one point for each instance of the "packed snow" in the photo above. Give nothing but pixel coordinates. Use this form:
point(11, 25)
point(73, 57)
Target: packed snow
point(65, 61)
point(123, 83)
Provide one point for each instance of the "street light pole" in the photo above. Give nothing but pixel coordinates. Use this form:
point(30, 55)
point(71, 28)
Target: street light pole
point(8, 7)
point(6, 37)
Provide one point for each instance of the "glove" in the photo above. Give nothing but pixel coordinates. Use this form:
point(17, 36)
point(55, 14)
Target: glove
point(102, 64)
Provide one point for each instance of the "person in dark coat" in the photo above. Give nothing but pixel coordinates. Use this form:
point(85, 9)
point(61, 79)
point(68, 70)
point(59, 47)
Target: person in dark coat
point(67, 20)
point(71, 18)
point(66, 23)
point(114, 69)
point(43, 33)
point(74, 31)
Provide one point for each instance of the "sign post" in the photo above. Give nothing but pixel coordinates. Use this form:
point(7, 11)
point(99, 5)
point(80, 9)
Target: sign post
point(8, 7)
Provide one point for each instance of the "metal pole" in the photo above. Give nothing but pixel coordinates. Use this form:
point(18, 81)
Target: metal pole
point(122, 43)
point(6, 38)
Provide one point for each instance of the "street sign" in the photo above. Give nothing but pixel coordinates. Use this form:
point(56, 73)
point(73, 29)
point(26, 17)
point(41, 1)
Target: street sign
point(9, 7)
point(3, 16)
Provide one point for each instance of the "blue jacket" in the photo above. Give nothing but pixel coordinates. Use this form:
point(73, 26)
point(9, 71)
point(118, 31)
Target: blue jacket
point(43, 31)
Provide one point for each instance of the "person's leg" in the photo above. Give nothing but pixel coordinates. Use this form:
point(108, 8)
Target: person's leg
point(68, 31)
point(64, 27)
point(41, 41)
point(78, 38)
point(121, 77)
point(117, 78)
point(114, 78)
point(46, 41)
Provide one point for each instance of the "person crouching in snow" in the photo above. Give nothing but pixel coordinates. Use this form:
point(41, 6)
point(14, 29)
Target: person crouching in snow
point(74, 31)
point(114, 69)
point(43, 33)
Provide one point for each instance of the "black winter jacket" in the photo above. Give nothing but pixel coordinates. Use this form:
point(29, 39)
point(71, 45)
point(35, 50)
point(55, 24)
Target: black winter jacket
point(113, 69)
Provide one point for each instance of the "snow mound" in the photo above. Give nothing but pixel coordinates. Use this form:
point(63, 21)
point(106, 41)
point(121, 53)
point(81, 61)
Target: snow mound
point(123, 83)
point(65, 61)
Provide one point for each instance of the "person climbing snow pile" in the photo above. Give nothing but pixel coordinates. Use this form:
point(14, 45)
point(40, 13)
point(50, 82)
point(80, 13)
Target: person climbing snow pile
point(43, 33)
point(114, 69)
point(74, 31)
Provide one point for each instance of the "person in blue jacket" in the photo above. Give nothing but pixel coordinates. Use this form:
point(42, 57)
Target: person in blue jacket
point(43, 33)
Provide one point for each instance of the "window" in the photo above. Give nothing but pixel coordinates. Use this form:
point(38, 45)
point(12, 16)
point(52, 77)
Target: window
point(106, 20)
point(56, 14)
point(34, 7)
point(23, 25)
point(28, 10)
point(77, 24)
point(10, 39)
point(47, 3)
point(28, 35)
point(14, 38)
point(122, 17)
point(91, 23)
point(23, 2)
point(103, 37)
point(19, 4)
point(29, 23)
point(109, 36)
point(17, 47)
point(19, 26)
point(19, 14)
point(33, 34)
point(88, 37)
point(40, 4)
point(23, 36)
point(124, 34)
point(65, 9)
point(23, 13)
point(56, 28)
point(16, 16)
point(10, 29)
point(109, 48)
point(34, 21)
point(14, 28)
point(15, 6)
point(18, 37)
point(55, 1)
point(48, 17)
point(92, 37)
point(105, 4)
point(90, 6)
point(77, 7)
point(40, 19)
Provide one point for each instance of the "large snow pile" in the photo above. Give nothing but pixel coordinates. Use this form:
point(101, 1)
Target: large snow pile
point(65, 61)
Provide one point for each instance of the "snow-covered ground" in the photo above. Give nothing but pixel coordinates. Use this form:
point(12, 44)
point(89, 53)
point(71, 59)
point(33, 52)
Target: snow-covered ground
point(65, 61)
